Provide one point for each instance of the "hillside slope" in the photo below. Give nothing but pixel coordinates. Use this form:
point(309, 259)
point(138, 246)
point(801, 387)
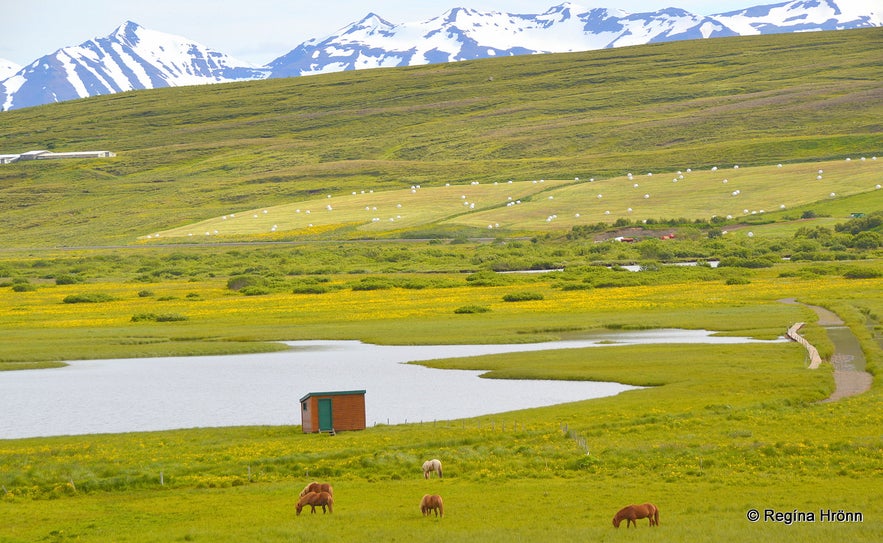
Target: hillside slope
point(188, 154)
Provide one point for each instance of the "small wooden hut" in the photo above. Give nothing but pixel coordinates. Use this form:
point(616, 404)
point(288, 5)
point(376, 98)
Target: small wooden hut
point(333, 411)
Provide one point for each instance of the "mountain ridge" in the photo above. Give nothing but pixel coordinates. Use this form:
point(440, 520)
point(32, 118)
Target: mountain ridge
point(133, 57)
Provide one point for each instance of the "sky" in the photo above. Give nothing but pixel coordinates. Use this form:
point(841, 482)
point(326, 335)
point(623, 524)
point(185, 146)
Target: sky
point(256, 31)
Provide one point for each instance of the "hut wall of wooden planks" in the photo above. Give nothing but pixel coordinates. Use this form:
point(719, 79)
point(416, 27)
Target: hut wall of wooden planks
point(333, 411)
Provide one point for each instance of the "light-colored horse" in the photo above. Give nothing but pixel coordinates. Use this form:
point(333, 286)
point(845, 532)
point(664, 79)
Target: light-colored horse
point(316, 487)
point(432, 503)
point(314, 499)
point(432, 465)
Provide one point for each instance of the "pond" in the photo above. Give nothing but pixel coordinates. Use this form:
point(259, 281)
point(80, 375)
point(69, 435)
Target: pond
point(134, 395)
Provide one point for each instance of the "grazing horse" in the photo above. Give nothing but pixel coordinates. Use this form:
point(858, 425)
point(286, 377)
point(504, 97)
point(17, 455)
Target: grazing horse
point(314, 499)
point(316, 487)
point(432, 465)
point(633, 512)
point(432, 503)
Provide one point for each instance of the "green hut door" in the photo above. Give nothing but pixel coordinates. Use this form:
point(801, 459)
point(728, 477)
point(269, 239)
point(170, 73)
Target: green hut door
point(326, 422)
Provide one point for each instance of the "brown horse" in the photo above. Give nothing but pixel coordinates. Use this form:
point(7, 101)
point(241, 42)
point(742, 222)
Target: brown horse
point(316, 487)
point(633, 512)
point(314, 499)
point(432, 503)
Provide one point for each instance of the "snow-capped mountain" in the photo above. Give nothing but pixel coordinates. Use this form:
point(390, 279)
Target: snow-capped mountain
point(464, 34)
point(130, 58)
point(133, 57)
point(803, 15)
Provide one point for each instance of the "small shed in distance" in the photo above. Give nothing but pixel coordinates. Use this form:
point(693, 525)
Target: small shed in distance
point(333, 411)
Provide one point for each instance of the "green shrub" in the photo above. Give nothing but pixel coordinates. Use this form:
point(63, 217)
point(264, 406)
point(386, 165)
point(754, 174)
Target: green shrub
point(577, 286)
point(240, 282)
point(310, 289)
point(67, 279)
point(171, 317)
point(867, 240)
point(153, 317)
point(467, 309)
point(738, 262)
point(862, 273)
point(23, 287)
point(524, 296)
point(88, 298)
point(254, 291)
point(140, 317)
point(373, 283)
point(488, 279)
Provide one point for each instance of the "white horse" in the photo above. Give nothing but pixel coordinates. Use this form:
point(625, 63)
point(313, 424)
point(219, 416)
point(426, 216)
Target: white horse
point(432, 465)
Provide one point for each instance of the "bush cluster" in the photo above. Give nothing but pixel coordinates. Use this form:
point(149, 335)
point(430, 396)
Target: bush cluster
point(93, 298)
point(468, 309)
point(153, 317)
point(524, 296)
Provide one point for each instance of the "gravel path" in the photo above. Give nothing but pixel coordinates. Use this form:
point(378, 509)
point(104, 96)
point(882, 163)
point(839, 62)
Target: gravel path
point(848, 379)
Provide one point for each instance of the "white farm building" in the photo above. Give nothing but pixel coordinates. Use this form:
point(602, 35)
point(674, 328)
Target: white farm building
point(48, 155)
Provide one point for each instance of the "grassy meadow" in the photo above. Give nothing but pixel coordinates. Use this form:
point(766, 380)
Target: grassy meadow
point(539, 206)
point(424, 187)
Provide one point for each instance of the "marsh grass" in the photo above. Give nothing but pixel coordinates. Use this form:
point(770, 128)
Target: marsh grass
point(204, 316)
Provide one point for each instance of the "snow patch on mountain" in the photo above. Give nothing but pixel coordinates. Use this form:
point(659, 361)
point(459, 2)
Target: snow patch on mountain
point(7, 68)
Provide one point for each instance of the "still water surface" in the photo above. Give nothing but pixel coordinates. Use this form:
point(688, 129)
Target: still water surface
point(133, 395)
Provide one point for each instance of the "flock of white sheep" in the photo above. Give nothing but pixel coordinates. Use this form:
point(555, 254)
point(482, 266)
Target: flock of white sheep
point(471, 204)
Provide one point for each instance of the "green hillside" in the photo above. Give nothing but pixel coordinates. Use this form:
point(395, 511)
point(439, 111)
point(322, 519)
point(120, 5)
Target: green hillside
point(190, 154)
